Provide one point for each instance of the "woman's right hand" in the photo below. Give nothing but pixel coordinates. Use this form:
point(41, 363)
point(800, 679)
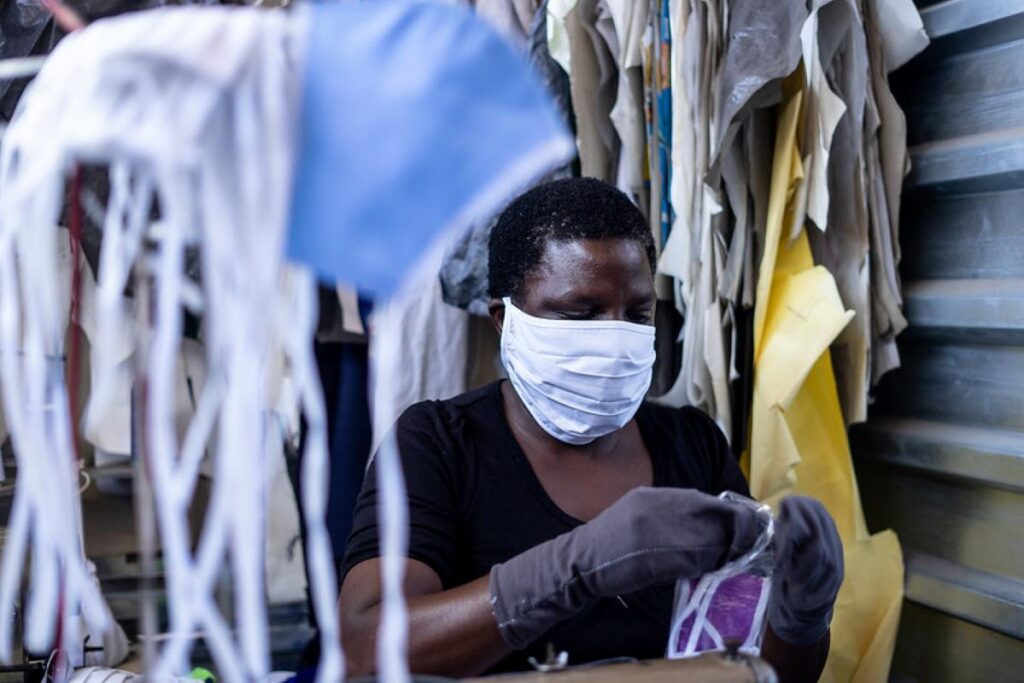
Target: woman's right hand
point(649, 536)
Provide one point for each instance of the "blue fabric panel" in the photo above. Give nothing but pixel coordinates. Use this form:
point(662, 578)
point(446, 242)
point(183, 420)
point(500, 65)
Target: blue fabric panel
point(410, 111)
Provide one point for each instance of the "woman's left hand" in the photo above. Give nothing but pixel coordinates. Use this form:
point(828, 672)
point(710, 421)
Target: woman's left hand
point(808, 571)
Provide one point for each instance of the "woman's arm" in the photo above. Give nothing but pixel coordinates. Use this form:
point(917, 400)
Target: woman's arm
point(648, 536)
point(451, 632)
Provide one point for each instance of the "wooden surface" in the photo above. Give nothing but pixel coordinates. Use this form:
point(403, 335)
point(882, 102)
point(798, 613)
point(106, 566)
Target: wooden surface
point(710, 668)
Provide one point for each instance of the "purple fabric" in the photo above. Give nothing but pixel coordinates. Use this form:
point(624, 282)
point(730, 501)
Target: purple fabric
point(731, 612)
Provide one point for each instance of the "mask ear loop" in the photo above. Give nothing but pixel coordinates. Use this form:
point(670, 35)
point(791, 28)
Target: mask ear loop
point(752, 644)
point(700, 622)
point(700, 606)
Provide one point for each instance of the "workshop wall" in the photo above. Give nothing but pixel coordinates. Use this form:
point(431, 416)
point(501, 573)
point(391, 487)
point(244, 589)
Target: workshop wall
point(941, 460)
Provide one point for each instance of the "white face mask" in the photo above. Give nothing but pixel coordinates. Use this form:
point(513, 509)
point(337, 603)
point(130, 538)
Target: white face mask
point(580, 379)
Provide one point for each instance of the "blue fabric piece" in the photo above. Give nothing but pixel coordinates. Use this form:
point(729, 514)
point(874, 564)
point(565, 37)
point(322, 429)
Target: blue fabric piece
point(411, 113)
point(344, 373)
point(344, 370)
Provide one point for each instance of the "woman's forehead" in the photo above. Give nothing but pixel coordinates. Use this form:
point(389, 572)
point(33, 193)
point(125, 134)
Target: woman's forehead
point(578, 265)
point(627, 254)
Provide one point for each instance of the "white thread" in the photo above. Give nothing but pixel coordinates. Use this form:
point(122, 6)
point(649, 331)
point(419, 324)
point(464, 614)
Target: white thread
point(203, 132)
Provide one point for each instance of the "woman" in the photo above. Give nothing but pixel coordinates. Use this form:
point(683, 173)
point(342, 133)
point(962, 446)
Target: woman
point(557, 507)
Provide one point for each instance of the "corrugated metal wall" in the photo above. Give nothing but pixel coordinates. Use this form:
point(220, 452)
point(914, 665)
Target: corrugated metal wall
point(942, 458)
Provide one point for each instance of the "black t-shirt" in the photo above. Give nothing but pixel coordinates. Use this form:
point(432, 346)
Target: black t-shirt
point(475, 501)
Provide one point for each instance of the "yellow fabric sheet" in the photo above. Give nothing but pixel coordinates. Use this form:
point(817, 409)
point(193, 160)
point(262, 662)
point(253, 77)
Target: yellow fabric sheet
point(798, 436)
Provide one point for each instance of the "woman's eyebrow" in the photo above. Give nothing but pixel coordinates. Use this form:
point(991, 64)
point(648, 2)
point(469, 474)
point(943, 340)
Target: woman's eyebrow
point(573, 299)
point(645, 299)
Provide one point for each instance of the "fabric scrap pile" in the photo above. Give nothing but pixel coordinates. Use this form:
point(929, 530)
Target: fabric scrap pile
point(227, 132)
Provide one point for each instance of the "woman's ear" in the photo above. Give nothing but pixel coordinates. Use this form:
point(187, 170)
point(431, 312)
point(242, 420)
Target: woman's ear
point(496, 308)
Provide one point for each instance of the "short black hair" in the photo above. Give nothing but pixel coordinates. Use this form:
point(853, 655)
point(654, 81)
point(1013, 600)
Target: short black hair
point(560, 210)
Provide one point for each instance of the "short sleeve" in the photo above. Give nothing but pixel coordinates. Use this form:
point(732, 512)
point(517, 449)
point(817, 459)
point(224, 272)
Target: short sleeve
point(724, 470)
point(429, 480)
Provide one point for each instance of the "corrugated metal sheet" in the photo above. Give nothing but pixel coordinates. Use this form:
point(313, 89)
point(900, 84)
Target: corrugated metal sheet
point(942, 458)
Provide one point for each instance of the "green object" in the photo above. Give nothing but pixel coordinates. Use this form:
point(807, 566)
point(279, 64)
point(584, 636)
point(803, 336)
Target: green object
point(201, 674)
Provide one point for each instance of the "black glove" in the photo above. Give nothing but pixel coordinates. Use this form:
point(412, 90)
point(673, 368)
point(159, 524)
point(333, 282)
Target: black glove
point(808, 571)
point(649, 536)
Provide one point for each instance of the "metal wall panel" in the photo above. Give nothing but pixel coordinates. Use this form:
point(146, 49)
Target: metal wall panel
point(941, 460)
point(935, 653)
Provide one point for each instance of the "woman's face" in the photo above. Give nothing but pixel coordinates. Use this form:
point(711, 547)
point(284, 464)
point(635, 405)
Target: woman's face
point(589, 279)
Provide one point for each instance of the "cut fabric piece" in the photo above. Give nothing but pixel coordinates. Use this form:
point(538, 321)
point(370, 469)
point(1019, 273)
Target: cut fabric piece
point(593, 79)
point(726, 67)
point(824, 109)
point(346, 222)
point(867, 165)
point(351, 313)
point(688, 136)
point(844, 247)
point(342, 314)
point(902, 32)
point(629, 21)
point(658, 115)
point(109, 427)
point(798, 442)
point(763, 46)
point(558, 32)
point(726, 62)
point(511, 17)
point(887, 164)
point(690, 251)
point(554, 77)
point(432, 346)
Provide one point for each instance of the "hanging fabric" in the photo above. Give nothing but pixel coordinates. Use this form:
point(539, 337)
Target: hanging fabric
point(194, 112)
point(739, 252)
point(156, 115)
point(725, 60)
point(865, 173)
point(434, 338)
point(798, 442)
point(622, 28)
point(728, 60)
point(451, 160)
